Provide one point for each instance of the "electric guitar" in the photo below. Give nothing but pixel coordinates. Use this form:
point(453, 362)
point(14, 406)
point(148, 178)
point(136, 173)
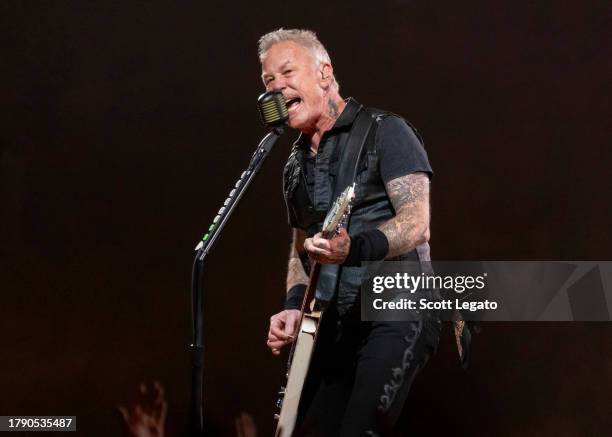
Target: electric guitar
point(308, 325)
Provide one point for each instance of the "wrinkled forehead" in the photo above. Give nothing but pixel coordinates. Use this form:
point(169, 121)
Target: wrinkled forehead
point(284, 53)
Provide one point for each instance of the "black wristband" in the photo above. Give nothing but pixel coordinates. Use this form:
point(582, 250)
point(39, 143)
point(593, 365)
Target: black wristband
point(295, 296)
point(369, 245)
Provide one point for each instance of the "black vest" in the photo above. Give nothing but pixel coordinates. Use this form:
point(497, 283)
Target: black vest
point(371, 205)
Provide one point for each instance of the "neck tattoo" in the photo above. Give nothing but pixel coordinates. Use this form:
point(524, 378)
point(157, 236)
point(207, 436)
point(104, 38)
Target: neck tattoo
point(333, 109)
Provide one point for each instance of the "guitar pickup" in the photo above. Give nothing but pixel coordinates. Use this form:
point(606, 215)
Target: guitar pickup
point(309, 324)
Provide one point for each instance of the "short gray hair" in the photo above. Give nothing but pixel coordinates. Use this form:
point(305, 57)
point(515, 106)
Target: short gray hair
point(305, 38)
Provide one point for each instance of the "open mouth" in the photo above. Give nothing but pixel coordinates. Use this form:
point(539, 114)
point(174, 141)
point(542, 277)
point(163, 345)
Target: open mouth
point(293, 103)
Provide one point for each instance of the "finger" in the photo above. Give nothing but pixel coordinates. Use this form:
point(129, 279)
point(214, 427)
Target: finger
point(277, 332)
point(316, 251)
point(276, 344)
point(320, 243)
point(290, 325)
point(308, 246)
point(322, 253)
point(313, 244)
point(276, 327)
point(124, 413)
point(159, 391)
point(279, 341)
point(273, 339)
point(164, 413)
point(139, 412)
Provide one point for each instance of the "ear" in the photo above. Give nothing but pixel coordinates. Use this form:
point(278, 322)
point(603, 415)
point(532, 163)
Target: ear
point(326, 76)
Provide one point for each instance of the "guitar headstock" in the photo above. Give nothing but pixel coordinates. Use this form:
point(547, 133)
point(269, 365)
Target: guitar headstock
point(339, 212)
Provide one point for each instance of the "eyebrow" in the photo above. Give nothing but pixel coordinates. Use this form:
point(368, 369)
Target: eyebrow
point(263, 76)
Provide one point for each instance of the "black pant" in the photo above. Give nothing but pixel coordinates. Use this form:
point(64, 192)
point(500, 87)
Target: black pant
point(361, 374)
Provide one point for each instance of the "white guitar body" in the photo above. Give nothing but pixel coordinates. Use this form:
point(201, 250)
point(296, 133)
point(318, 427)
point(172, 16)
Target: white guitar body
point(302, 354)
point(304, 344)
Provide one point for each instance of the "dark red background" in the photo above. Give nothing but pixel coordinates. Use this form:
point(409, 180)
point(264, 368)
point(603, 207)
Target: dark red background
point(125, 124)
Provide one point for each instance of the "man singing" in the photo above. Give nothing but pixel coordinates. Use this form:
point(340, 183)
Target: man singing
point(361, 371)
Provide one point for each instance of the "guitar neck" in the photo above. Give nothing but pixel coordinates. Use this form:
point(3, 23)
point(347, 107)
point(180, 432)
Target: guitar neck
point(309, 295)
point(315, 269)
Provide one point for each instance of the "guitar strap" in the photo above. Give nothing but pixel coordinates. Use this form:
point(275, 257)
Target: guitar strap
point(347, 172)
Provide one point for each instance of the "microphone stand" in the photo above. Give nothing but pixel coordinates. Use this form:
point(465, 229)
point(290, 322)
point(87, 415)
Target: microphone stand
point(202, 250)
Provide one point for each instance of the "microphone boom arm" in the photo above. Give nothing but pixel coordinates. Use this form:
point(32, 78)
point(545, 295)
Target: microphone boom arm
point(240, 187)
point(202, 250)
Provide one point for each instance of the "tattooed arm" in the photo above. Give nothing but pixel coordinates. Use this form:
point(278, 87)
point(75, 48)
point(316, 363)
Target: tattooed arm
point(409, 196)
point(283, 324)
point(295, 270)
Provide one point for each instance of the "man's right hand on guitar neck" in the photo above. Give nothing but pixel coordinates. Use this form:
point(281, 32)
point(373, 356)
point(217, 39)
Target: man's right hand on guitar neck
point(282, 329)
